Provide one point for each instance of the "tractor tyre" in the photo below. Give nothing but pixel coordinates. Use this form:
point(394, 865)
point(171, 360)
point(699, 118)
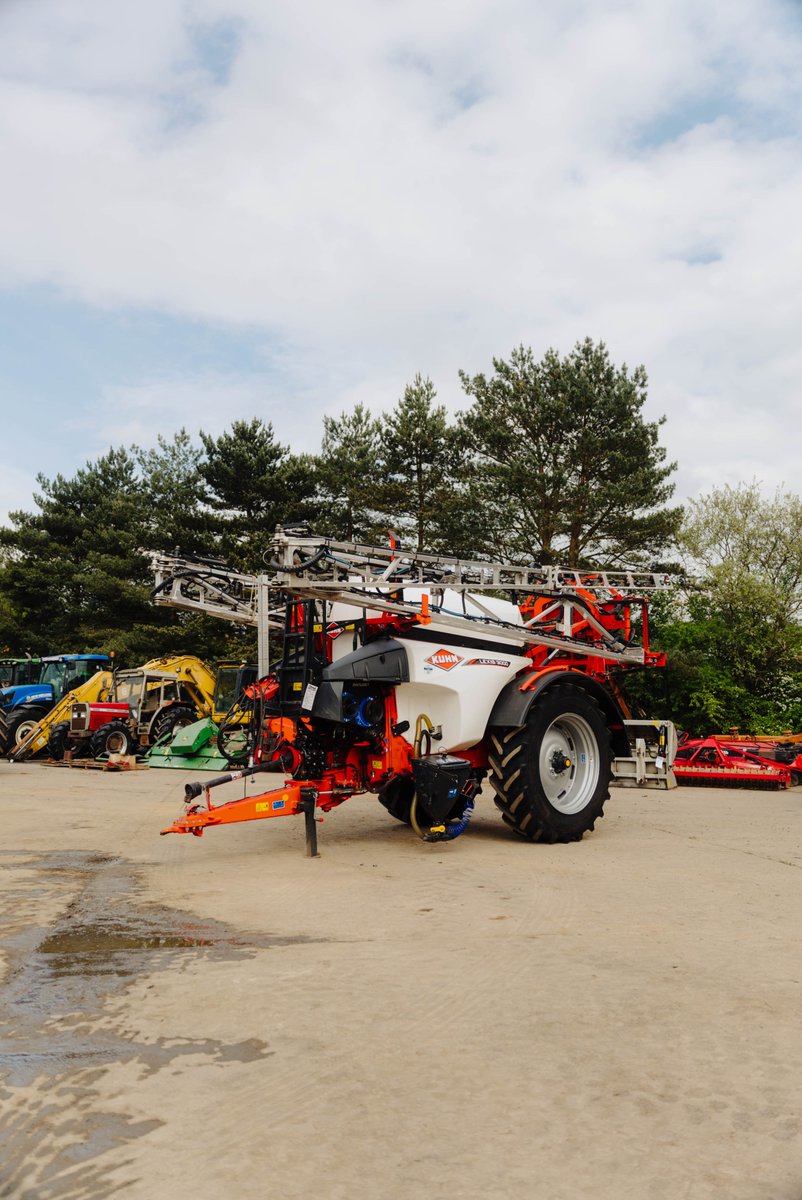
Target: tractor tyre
point(551, 775)
point(396, 796)
point(20, 725)
point(57, 742)
point(170, 720)
point(112, 738)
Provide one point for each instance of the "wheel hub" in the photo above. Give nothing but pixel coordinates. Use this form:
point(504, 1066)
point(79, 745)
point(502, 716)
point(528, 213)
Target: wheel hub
point(559, 762)
point(569, 764)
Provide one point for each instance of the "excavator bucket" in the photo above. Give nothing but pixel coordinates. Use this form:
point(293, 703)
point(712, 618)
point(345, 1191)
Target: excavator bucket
point(190, 748)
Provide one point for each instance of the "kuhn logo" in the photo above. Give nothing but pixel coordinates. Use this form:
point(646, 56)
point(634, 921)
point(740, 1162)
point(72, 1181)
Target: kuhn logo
point(444, 659)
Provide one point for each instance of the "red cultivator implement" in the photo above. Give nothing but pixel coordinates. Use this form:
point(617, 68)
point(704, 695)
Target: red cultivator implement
point(717, 762)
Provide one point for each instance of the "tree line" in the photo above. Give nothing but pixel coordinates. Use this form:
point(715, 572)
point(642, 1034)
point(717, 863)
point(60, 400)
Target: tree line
point(551, 460)
point(731, 625)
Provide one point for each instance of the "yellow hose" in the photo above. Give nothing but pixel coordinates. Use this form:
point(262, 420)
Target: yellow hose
point(413, 804)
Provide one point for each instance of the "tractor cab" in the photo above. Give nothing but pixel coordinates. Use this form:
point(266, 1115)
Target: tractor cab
point(56, 675)
point(19, 671)
point(143, 699)
point(146, 693)
point(65, 672)
point(232, 680)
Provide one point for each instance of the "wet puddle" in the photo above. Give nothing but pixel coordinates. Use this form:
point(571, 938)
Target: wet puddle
point(56, 1032)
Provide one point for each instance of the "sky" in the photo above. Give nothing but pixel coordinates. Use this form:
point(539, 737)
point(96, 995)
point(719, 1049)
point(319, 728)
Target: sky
point(214, 211)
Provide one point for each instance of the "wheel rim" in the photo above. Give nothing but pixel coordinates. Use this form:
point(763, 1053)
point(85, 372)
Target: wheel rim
point(116, 743)
point(23, 730)
point(569, 763)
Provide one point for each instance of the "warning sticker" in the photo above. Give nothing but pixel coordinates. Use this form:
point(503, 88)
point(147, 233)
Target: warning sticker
point(271, 805)
point(446, 660)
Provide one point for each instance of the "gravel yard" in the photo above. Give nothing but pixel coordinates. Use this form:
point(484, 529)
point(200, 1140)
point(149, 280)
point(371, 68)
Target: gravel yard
point(224, 1017)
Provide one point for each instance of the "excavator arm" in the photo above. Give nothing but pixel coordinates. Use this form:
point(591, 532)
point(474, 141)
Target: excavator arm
point(193, 674)
point(94, 689)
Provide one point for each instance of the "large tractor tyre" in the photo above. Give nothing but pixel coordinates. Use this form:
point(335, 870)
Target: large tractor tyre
point(112, 738)
point(551, 775)
point(57, 742)
point(170, 720)
point(20, 725)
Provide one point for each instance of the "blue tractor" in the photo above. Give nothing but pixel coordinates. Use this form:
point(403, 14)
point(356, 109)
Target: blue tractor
point(22, 705)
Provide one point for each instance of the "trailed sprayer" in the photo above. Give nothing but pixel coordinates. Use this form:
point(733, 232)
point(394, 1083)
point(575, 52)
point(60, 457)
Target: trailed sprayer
point(417, 677)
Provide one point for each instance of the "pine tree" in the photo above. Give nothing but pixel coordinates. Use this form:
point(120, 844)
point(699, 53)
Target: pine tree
point(176, 516)
point(253, 483)
point(348, 470)
point(420, 461)
point(566, 467)
point(75, 574)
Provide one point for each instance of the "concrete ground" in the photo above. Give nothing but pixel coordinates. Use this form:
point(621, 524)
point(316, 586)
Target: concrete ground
point(223, 1017)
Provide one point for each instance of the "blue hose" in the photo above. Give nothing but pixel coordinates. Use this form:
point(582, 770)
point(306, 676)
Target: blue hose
point(455, 828)
point(453, 831)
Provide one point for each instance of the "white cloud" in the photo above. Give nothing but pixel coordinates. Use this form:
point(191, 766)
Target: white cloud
point(389, 187)
point(134, 413)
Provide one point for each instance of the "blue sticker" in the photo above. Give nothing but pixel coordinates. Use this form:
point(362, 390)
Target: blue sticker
point(277, 804)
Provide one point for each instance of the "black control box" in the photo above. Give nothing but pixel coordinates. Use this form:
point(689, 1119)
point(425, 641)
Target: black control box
point(439, 780)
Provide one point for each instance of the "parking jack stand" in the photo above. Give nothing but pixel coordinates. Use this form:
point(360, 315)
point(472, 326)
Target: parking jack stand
point(307, 807)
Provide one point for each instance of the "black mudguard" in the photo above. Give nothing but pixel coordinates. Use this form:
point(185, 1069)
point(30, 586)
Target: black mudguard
point(512, 705)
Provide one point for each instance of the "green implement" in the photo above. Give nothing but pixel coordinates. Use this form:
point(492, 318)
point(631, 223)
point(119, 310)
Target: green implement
point(190, 748)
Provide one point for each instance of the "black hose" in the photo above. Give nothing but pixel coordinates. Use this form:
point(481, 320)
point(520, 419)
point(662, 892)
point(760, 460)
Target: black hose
point(306, 564)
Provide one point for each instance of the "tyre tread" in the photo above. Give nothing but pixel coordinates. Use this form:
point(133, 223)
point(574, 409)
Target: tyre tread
point(529, 814)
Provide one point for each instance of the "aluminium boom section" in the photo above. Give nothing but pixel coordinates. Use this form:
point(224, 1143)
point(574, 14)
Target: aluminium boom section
point(369, 577)
point(196, 585)
point(372, 577)
point(332, 563)
point(608, 647)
